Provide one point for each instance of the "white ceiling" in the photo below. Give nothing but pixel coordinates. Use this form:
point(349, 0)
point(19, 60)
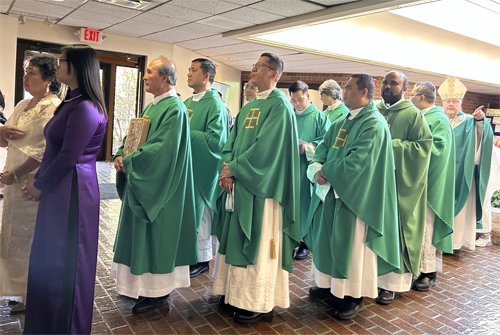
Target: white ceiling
point(198, 25)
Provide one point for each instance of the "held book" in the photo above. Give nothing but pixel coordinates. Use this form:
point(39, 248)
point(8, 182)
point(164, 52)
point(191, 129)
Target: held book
point(137, 134)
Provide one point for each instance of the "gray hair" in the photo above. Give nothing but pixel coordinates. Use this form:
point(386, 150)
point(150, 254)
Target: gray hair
point(427, 89)
point(331, 88)
point(168, 68)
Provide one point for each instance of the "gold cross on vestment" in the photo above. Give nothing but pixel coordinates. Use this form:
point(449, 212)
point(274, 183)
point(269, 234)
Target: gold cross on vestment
point(252, 118)
point(190, 114)
point(340, 139)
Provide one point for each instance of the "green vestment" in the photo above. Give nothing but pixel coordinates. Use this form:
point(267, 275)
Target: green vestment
point(441, 180)
point(157, 227)
point(312, 125)
point(263, 156)
point(209, 129)
point(337, 112)
point(412, 144)
point(358, 162)
point(465, 148)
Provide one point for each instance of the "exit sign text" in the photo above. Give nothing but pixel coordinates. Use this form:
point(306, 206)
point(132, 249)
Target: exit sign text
point(90, 36)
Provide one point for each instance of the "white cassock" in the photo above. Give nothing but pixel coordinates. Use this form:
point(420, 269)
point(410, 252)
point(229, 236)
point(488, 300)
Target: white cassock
point(432, 258)
point(207, 244)
point(464, 224)
point(260, 287)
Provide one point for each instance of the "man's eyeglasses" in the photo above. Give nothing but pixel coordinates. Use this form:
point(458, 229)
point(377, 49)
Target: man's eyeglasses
point(413, 95)
point(260, 64)
point(451, 101)
point(59, 60)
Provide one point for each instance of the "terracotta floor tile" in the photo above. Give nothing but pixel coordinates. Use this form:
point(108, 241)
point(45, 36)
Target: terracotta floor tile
point(183, 327)
point(205, 330)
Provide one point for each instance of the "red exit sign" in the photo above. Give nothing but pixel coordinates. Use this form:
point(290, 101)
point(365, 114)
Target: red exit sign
point(90, 36)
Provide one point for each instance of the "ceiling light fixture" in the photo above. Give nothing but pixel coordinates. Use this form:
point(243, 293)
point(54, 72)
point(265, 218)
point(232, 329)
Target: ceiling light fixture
point(48, 23)
point(21, 19)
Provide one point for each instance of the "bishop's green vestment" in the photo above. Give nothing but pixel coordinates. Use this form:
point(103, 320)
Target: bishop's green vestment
point(157, 227)
point(263, 156)
point(441, 180)
point(312, 125)
point(209, 129)
point(412, 144)
point(464, 130)
point(358, 162)
point(337, 112)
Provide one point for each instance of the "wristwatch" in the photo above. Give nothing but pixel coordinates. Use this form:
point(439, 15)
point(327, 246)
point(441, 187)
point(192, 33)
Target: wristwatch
point(15, 177)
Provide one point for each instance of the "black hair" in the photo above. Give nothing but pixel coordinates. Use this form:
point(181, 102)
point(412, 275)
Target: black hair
point(298, 86)
point(2, 100)
point(365, 81)
point(275, 62)
point(206, 65)
point(86, 65)
point(47, 67)
point(427, 89)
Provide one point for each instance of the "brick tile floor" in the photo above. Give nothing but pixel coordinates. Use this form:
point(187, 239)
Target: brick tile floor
point(465, 300)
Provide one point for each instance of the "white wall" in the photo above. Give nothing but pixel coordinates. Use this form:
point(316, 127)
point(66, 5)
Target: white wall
point(11, 30)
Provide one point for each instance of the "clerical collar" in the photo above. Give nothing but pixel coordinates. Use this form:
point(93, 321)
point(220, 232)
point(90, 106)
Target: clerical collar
point(302, 111)
point(167, 94)
point(353, 113)
point(427, 109)
point(264, 94)
point(389, 106)
point(198, 96)
point(335, 105)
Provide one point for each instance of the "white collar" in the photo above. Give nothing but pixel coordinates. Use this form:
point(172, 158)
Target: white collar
point(427, 109)
point(198, 96)
point(264, 94)
point(353, 113)
point(167, 94)
point(302, 111)
point(335, 105)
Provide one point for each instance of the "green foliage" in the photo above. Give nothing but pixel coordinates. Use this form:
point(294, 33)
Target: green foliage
point(495, 199)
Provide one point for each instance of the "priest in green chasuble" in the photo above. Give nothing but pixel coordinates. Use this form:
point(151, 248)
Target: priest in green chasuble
point(156, 237)
point(209, 128)
point(312, 125)
point(353, 227)
point(440, 186)
point(331, 95)
point(473, 150)
point(412, 144)
point(257, 219)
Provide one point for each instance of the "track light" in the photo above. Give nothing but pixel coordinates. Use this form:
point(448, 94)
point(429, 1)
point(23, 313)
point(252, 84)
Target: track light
point(21, 19)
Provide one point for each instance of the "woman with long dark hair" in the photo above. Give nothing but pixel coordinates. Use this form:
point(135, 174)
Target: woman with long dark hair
point(64, 252)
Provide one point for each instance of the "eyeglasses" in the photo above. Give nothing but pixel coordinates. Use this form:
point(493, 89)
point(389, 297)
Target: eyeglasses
point(59, 60)
point(260, 64)
point(451, 101)
point(413, 95)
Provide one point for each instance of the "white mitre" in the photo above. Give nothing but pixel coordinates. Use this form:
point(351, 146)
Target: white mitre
point(452, 88)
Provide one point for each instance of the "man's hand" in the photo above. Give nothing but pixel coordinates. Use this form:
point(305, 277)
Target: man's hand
point(302, 149)
point(320, 178)
point(478, 113)
point(11, 133)
point(119, 164)
point(226, 184)
point(225, 173)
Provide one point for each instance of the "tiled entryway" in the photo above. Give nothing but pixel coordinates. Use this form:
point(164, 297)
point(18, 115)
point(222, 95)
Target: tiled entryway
point(466, 300)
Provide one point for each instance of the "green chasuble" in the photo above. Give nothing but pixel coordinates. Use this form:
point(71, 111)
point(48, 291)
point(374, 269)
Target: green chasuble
point(312, 125)
point(337, 112)
point(465, 147)
point(209, 129)
point(358, 162)
point(263, 156)
point(441, 180)
point(412, 144)
point(157, 228)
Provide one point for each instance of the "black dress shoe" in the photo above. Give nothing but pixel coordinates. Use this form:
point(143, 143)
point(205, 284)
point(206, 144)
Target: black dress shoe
point(424, 282)
point(148, 304)
point(244, 316)
point(350, 308)
point(301, 252)
point(198, 268)
point(320, 293)
point(385, 297)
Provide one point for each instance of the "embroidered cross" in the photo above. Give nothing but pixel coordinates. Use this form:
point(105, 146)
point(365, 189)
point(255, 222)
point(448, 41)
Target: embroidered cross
point(340, 139)
point(190, 114)
point(387, 119)
point(252, 118)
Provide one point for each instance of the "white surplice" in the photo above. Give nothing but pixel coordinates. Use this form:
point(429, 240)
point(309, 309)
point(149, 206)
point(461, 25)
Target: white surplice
point(432, 258)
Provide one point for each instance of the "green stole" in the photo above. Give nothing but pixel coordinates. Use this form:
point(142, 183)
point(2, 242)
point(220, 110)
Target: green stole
point(412, 144)
point(157, 229)
point(336, 113)
point(209, 130)
point(465, 148)
point(441, 179)
point(358, 161)
point(312, 125)
point(263, 156)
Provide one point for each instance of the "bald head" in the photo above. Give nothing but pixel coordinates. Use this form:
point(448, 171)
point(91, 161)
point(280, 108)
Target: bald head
point(393, 87)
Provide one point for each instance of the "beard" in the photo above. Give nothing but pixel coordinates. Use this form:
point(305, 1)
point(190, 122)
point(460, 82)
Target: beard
point(390, 97)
